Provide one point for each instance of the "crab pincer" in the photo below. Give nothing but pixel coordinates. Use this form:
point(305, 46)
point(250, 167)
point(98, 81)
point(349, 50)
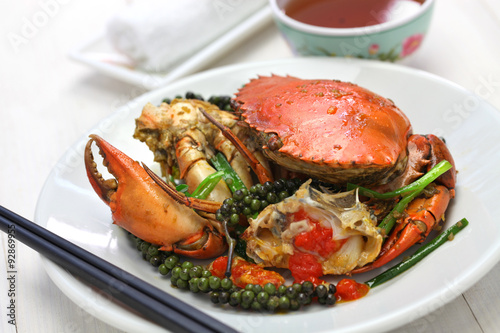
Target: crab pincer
point(143, 208)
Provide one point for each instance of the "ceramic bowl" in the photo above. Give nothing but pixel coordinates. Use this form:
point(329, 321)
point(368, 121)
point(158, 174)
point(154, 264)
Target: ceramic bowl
point(389, 41)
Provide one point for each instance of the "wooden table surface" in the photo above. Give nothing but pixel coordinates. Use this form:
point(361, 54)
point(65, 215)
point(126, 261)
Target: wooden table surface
point(49, 101)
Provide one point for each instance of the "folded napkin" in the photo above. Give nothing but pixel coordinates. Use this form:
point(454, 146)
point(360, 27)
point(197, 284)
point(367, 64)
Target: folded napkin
point(156, 35)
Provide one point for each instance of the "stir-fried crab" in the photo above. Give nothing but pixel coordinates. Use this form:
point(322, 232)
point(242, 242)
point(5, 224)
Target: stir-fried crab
point(340, 132)
point(331, 130)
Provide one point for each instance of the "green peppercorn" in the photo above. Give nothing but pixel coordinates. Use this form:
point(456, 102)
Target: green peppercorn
point(193, 285)
point(226, 283)
point(176, 271)
point(321, 291)
point(255, 188)
point(234, 219)
point(270, 288)
point(224, 297)
point(235, 298)
point(225, 209)
point(273, 303)
point(271, 197)
point(206, 273)
point(262, 297)
point(247, 296)
point(294, 305)
point(195, 271)
point(257, 288)
point(291, 292)
point(245, 306)
point(238, 195)
point(284, 302)
point(155, 261)
point(332, 289)
point(219, 216)
point(163, 269)
point(247, 211)
point(282, 290)
point(214, 282)
point(331, 299)
point(184, 274)
point(279, 185)
point(203, 284)
point(182, 284)
point(268, 186)
point(153, 250)
point(297, 287)
point(173, 280)
point(255, 205)
point(302, 298)
point(308, 287)
point(214, 297)
point(283, 195)
point(171, 261)
point(145, 246)
point(247, 200)
point(256, 306)
point(263, 204)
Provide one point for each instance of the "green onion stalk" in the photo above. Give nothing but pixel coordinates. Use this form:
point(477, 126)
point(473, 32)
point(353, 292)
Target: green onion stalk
point(204, 188)
point(420, 254)
point(408, 193)
point(234, 183)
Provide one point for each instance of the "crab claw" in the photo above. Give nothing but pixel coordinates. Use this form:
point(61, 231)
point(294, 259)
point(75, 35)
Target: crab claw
point(140, 206)
point(423, 214)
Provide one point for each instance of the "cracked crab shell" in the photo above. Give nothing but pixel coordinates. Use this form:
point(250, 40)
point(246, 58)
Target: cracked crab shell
point(270, 237)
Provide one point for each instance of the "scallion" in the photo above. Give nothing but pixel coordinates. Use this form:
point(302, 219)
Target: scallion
point(421, 253)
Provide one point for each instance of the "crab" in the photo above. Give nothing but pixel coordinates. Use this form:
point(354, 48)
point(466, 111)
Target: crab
point(330, 130)
point(342, 133)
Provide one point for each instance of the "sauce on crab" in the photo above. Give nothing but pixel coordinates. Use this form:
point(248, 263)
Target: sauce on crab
point(305, 267)
point(244, 272)
point(319, 240)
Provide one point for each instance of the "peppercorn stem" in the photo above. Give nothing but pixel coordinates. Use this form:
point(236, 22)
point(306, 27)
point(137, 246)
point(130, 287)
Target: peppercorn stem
point(421, 253)
point(231, 243)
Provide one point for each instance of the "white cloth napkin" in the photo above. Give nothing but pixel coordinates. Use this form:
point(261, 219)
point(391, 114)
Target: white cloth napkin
point(156, 35)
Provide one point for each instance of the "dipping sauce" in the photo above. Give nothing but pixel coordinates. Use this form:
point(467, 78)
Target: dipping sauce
point(350, 13)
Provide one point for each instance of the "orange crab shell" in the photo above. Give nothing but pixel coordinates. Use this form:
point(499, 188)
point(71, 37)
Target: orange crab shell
point(326, 126)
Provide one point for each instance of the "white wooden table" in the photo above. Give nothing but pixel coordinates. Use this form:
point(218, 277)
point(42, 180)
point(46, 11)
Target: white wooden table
point(47, 102)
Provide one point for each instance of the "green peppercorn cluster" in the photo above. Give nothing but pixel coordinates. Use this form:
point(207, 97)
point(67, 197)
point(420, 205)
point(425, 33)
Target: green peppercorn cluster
point(250, 202)
point(223, 102)
point(197, 279)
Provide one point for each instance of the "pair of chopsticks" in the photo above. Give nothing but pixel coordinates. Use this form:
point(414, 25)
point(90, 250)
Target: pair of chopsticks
point(151, 302)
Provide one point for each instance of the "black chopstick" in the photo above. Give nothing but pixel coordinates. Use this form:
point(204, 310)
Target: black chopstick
point(151, 302)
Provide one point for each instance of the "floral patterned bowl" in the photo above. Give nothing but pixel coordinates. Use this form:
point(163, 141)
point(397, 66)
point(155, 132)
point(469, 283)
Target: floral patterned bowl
point(390, 41)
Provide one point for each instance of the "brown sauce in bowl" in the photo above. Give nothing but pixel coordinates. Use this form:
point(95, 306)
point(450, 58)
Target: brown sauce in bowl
point(349, 13)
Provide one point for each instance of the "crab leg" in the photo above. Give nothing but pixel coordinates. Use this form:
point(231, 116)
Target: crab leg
point(143, 208)
point(262, 173)
point(423, 214)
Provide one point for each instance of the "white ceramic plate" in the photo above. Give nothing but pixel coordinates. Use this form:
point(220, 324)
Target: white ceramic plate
point(98, 54)
point(69, 207)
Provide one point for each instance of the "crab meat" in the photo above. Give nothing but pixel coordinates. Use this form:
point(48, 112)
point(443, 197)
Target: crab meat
point(345, 235)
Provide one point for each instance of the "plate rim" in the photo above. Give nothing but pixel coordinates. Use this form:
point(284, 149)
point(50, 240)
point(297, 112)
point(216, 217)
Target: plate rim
point(53, 270)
